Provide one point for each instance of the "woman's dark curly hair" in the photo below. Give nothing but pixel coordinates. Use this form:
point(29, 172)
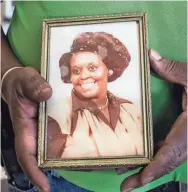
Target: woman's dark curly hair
point(113, 53)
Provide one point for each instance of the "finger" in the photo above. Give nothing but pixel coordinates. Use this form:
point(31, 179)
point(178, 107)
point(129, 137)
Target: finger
point(125, 169)
point(25, 145)
point(34, 174)
point(172, 153)
point(34, 86)
point(27, 161)
point(130, 183)
point(184, 100)
point(170, 70)
point(162, 165)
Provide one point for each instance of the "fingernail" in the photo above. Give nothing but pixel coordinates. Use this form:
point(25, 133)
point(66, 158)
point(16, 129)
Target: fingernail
point(155, 55)
point(127, 190)
point(147, 180)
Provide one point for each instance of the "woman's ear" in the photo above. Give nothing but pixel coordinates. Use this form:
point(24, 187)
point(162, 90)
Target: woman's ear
point(110, 72)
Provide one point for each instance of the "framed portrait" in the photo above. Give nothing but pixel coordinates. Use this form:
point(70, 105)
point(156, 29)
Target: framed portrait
point(99, 114)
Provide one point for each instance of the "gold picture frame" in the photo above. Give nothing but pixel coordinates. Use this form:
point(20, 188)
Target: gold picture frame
point(138, 20)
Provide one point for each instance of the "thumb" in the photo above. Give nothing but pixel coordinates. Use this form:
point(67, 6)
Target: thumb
point(34, 86)
point(172, 153)
point(173, 71)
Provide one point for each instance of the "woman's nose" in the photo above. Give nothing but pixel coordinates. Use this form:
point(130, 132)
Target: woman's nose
point(85, 74)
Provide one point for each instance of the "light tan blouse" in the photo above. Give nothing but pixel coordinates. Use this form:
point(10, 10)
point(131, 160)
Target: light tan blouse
point(89, 134)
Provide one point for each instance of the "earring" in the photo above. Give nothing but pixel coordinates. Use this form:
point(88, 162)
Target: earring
point(110, 72)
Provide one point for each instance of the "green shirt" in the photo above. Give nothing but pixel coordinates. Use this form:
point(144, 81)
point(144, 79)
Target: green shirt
point(167, 35)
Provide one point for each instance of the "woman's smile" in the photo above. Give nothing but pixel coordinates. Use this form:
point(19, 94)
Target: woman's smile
point(88, 85)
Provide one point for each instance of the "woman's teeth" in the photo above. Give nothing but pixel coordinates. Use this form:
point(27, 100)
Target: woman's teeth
point(87, 85)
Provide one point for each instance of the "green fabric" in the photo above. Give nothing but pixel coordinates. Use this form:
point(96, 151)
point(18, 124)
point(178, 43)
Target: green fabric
point(109, 181)
point(167, 34)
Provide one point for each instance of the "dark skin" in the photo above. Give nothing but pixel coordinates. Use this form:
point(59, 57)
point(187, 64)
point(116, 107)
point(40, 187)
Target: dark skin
point(173, 150)
point(24, 88)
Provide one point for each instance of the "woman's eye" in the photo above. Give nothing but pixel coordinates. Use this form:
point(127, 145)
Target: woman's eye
point(76, 72)
point(92, 68)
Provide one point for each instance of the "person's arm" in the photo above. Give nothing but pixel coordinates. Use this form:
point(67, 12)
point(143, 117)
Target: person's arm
point(173, 151)
point(23, 88)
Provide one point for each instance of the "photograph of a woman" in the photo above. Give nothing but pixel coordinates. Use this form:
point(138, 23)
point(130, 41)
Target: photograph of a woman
point(94, 121)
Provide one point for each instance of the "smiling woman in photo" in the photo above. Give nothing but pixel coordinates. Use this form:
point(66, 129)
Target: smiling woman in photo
point(94, 122)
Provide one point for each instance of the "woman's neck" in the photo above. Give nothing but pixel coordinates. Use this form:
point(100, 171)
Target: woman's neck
point(101, 101)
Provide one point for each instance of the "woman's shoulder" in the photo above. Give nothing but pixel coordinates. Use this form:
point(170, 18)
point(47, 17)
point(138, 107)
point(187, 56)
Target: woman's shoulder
point(126, 104)
point(131, 108)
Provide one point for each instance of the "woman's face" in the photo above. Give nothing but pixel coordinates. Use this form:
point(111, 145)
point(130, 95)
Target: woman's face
point(89, 75)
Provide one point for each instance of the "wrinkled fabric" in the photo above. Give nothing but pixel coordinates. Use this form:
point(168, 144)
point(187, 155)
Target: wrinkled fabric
point(93, 134)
